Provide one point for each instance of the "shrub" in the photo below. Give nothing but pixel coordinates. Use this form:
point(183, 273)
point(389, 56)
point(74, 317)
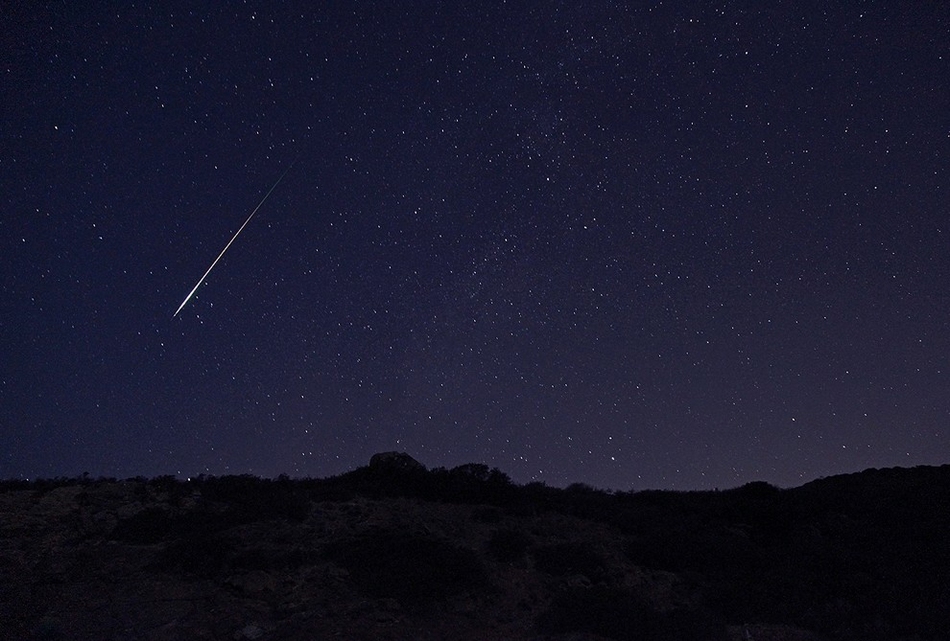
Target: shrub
point(471, 471)
point(508, 545)
point(417, 571)
point(271, 559)
point(561, 559)
point(203, 557)
point(486, 514)
point(616, 613)
point(698, 549)
point(153, 525)
point(251, 499)
point(146, 527)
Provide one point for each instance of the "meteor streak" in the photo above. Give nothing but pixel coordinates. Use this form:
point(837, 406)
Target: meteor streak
point(201, 280)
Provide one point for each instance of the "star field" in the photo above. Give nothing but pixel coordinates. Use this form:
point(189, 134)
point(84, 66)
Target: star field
point(666, 246)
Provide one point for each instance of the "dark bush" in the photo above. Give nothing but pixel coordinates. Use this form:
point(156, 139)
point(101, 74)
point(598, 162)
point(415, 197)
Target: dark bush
point(251, 499)
point(15, 485)
point(271, 559)
point(417, 571)
point(148, 526)
point(616, 613)
point(562, 559)
point(471, 471)
point(282, 502)
point(153, 525)
point(508, 545)
point(698, 549)
point(201, 557)
point(487, 515)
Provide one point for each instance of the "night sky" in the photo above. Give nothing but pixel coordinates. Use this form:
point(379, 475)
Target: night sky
point(634, 245)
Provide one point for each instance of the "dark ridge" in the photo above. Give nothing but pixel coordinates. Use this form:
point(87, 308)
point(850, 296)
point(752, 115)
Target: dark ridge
point(856, 556)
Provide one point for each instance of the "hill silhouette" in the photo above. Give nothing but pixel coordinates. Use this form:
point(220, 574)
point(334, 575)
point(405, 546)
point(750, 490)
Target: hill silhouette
point(393, 550)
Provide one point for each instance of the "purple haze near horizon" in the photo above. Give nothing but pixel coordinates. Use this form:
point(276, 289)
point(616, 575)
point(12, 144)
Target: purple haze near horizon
point(648, 246)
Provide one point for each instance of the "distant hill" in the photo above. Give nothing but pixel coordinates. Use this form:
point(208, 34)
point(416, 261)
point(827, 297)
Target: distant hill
point(397, 551)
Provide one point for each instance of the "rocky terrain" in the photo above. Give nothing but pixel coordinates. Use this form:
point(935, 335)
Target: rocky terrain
point(396, 551)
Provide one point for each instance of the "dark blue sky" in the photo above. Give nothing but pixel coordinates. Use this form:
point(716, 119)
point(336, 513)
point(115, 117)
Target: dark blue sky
point(634, 245)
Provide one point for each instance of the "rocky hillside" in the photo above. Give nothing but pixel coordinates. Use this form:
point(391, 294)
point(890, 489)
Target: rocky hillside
point(396, 551)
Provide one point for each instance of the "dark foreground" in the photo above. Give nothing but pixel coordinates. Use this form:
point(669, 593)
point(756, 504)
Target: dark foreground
point(395, 551)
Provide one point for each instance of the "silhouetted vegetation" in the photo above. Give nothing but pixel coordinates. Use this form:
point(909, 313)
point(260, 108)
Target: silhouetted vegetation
point(562, 559)
point(153, 525)
point(861, 556)
point(616, 613)
point(509, 545)
point(468, 484)
point(417, 571)
point(202, 556)
point(252, 499)
point(148, 526)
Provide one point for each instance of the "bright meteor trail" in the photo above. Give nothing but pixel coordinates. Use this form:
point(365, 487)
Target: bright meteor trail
point(201, 280)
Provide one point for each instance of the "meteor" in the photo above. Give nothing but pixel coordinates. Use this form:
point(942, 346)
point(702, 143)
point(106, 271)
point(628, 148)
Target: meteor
point(233, 238)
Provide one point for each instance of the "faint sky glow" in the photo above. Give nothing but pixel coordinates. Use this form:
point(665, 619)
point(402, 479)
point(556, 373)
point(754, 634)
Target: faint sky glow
point(666, 246)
